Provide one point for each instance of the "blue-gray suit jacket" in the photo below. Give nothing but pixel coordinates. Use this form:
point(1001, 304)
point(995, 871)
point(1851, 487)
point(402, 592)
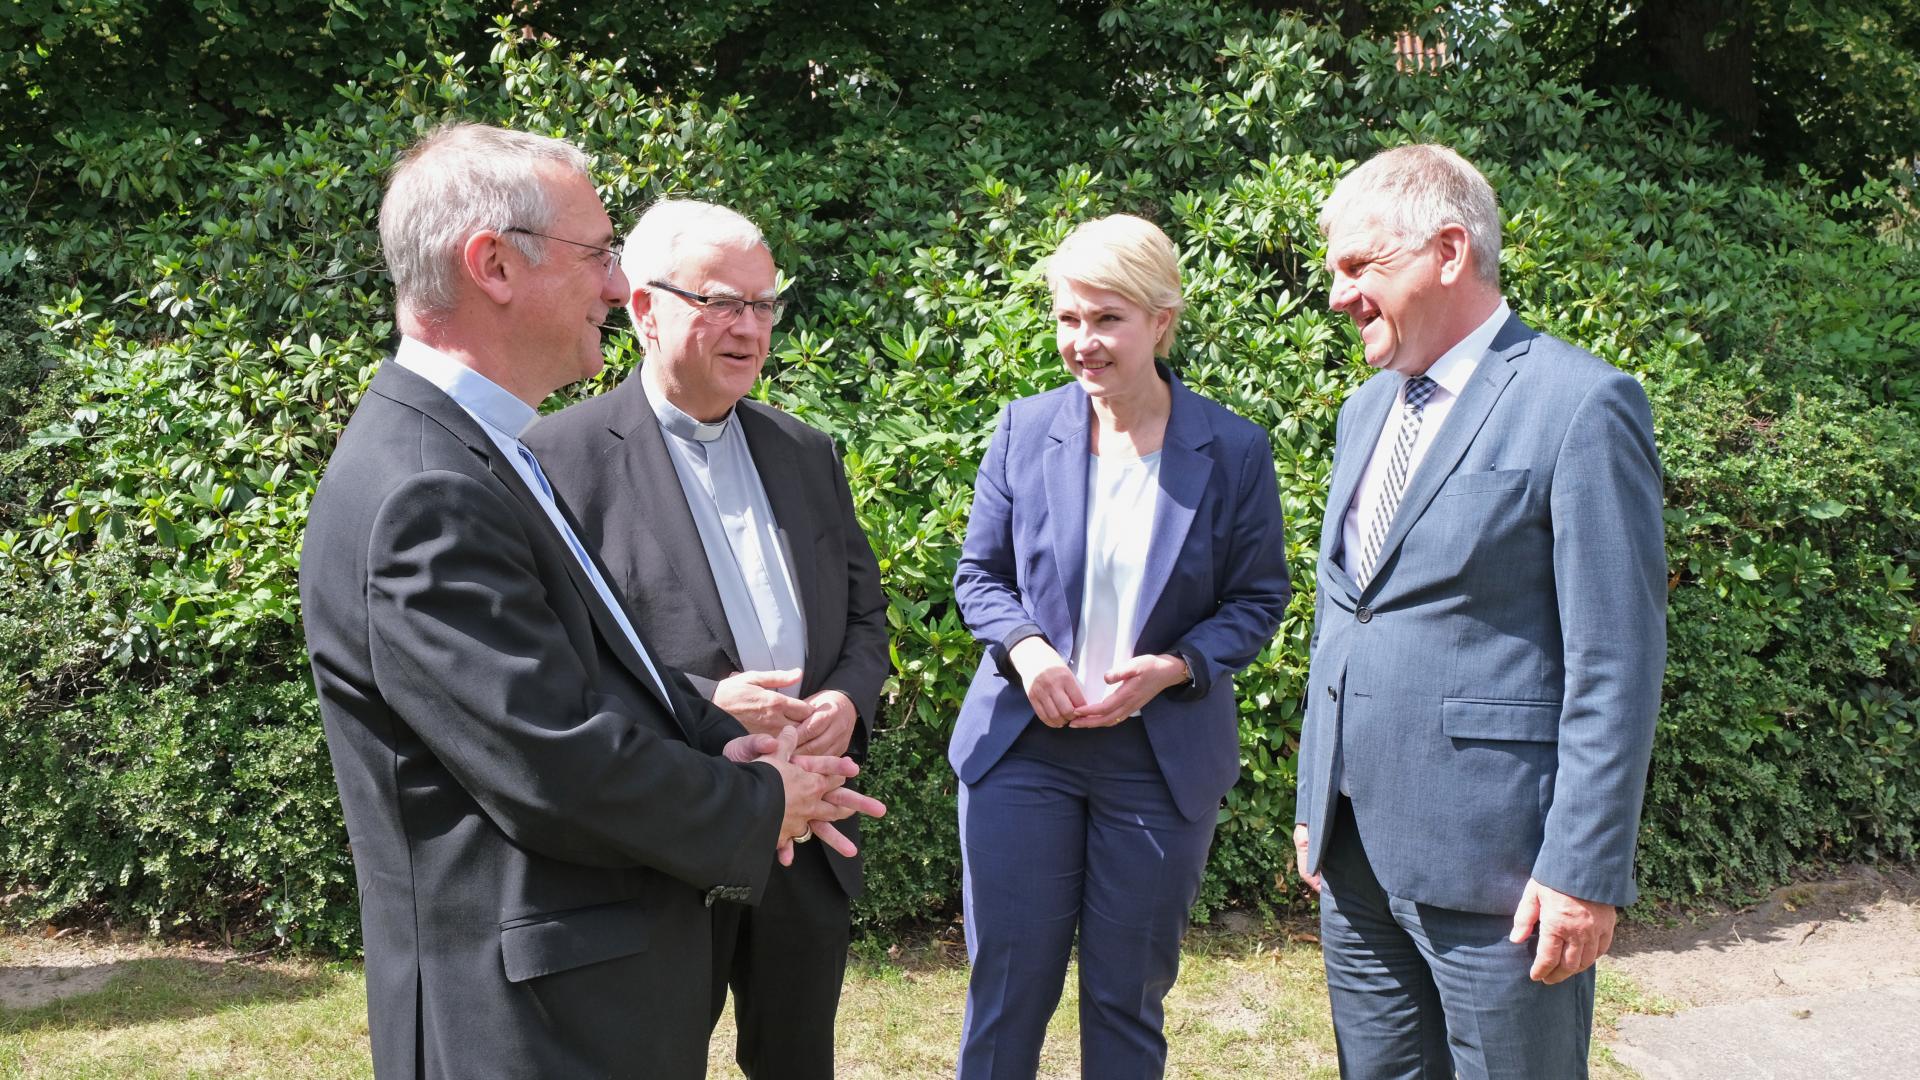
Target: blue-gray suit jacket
point(1216, 579)
point(1494, 686)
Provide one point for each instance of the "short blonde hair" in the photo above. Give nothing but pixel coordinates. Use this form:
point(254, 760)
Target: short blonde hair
point(1127, 255)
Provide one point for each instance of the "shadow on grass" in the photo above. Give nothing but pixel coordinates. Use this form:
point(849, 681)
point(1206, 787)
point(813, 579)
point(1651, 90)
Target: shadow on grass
point(126, 993)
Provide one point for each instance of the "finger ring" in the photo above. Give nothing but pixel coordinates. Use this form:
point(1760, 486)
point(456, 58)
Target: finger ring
point(803, 837)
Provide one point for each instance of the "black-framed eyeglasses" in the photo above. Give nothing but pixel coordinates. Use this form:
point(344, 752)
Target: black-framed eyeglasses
point(727, 307)
point(610, 254)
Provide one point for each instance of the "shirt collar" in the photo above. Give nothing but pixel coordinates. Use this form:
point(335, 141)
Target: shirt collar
point(1456, 366)
point(675, 422)
point(482, 398)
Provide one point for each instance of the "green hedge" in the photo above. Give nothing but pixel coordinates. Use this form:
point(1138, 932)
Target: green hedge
point(204, 341)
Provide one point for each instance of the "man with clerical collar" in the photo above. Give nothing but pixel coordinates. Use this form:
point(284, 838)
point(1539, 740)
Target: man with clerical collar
point(542, 811)
point(728, 528)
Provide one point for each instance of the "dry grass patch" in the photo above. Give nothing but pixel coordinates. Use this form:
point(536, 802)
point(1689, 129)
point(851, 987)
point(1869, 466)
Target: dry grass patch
point(1247, 1005)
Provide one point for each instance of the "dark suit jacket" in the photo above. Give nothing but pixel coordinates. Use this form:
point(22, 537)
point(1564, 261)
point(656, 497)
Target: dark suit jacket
point(608, 462)
point(1216, 577)
point(1494, 686)
point(529, 823)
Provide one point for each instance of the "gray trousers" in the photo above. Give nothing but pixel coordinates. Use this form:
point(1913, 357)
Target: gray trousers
point(1424, 993)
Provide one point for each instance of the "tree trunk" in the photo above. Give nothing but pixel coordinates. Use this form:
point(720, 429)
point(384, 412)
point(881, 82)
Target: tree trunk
point(1700, 53)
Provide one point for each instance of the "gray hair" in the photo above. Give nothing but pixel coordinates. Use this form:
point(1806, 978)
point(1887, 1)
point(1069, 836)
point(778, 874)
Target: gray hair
point(1128, 255)
point(458, 180)
point(1414, 192)
point(653, 249)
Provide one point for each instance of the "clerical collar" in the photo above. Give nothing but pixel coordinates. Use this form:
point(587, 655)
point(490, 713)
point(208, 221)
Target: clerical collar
point(675, 422)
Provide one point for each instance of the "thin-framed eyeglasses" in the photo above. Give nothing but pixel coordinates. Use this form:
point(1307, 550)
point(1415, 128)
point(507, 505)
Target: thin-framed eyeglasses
point(611, 255)
point(727, 308)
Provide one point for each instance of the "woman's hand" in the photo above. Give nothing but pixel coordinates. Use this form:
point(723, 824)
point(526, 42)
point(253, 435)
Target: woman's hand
point(1135, 683)
point(1051, 688)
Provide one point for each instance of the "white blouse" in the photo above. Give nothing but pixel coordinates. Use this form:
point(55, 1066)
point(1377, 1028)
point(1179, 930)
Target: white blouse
point(1122, 493)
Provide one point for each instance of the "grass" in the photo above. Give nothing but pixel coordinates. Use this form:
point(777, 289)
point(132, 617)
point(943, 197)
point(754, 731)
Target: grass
point(1246, 1005)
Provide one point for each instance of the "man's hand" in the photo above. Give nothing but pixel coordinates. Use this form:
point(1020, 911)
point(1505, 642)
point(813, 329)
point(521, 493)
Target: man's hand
point(1051, 688)
point(814, 787)
point(1573, 932)
point(1135, 683)
point(830, 729)
point(1300, 840)
point(754, 699)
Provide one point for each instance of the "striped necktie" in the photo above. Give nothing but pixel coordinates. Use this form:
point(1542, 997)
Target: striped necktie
point(1419, 390)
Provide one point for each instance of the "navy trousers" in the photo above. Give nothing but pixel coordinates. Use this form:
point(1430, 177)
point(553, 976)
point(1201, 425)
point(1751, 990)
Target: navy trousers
point(1074, 830)
point(1424, 993)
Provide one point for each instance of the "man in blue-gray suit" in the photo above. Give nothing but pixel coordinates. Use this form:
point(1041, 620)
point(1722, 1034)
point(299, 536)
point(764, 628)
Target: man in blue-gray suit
point(1488, 647)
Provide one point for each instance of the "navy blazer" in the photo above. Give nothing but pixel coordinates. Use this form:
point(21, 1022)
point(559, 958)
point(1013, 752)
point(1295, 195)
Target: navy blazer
point(1216, 577)
point(1492, 690)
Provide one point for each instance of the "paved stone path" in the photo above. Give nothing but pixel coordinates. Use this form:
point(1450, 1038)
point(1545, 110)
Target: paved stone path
point(1851, 1035)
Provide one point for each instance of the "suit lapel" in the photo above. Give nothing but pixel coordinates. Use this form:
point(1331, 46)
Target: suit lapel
point(649, 467)
point(411, 389)
point(1363, 433)
point(1065, 473)
point(1463, 423)
point(1184, 474)
point(777, 459)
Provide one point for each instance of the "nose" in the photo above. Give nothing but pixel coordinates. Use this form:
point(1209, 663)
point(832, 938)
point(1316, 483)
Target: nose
point(1342, 294)
point(615, 290)
point(1081, 337)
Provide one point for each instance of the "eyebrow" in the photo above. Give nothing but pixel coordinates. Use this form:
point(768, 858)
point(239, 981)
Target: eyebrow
point(728, 292)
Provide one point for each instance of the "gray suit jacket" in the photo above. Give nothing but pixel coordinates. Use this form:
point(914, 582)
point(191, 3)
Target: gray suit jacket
point(1494, 687)
point(608, 463)
point(531, 819)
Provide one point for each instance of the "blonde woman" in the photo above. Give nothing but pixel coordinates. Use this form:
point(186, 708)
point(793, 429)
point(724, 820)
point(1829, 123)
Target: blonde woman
point(1124, 558)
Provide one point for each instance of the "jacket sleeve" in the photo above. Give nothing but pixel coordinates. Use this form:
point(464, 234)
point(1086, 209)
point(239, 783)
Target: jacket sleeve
point(863, 664)
point(467, 648)
point(1610, 573)
point(1253, 592)
point(984, 582)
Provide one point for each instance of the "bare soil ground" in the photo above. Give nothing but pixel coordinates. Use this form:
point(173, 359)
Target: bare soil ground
point(1857, 929)
point(36, 970)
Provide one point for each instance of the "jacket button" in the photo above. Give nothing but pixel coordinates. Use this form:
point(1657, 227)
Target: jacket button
point(1363, 613)
point(1332, 694)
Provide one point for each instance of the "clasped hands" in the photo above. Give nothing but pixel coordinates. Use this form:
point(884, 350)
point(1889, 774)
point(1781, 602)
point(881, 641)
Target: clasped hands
point(1059, 701)
point(805, 739)
point(1574, 933)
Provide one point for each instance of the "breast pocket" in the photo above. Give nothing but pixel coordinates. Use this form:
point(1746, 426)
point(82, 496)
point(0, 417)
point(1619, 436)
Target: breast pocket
point(1490, 480)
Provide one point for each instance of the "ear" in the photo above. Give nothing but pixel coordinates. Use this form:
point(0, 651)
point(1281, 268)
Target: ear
point(640, 311)
point(1161, 320)
point(486, 263)
point(1456, 253)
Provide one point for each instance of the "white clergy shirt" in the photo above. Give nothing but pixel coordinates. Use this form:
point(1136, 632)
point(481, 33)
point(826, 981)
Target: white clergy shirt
point(503, 417)
point(738, 534)
point(1450, 373)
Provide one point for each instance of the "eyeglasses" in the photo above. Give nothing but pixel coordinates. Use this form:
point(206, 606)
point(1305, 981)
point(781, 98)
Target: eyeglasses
point(610, 255)
point(727, 308)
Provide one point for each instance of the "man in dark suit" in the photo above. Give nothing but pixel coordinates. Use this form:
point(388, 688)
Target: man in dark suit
point(540, 810)
point(728, 528)
point(1489, 642)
